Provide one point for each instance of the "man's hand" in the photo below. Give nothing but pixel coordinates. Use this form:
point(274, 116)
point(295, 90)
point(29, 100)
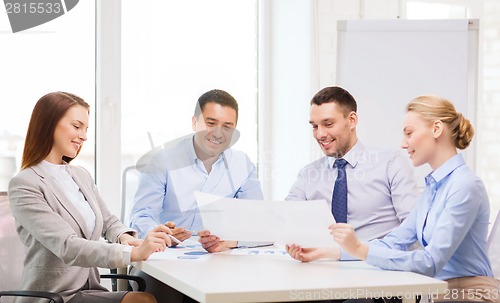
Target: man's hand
point(180, 233)
point(212, 243)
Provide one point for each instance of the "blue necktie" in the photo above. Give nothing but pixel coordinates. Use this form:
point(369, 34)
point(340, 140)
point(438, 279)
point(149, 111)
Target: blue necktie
point(339, 197)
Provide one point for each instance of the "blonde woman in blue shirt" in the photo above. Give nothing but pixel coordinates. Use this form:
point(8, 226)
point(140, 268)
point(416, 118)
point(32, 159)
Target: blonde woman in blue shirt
point(450, 220)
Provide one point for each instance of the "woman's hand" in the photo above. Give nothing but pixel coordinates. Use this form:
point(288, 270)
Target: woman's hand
point(311, 254)
point(345, 236)
point(155, 241)
point(128, 239)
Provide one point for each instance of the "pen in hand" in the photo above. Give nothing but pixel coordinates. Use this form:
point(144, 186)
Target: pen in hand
point(174, 239)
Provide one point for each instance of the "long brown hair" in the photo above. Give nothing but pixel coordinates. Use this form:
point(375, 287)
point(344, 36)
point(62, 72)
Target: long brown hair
point(46, 114)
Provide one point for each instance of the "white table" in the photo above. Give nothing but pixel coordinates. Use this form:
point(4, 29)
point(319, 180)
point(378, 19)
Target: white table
point(227, 277)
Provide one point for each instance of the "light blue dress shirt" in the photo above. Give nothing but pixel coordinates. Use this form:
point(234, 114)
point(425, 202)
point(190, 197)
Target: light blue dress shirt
point(452, 218)
point(168, 182)
point(381, 188)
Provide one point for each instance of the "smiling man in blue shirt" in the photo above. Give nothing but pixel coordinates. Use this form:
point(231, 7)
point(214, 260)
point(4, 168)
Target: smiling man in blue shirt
point(201, 162)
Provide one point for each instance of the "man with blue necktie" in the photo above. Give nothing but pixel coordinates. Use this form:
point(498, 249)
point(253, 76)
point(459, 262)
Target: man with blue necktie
point(371, 189)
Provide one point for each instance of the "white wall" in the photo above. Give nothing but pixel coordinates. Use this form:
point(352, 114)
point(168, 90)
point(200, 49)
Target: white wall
point(489, 108)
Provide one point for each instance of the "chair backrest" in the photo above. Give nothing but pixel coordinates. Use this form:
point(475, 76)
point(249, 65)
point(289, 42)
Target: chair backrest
point(130, 182)
point(494, 246)
point(8, 165)
point(11, 248)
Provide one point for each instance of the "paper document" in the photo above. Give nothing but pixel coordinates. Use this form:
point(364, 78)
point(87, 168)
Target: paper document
point(259, 251)
point(283, 222)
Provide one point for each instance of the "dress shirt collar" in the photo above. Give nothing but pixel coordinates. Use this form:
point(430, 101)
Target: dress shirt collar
point(352, 157)
point(192, 154)
point(445, 169)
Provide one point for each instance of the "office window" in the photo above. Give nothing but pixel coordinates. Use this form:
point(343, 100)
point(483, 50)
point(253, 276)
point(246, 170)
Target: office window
point(57, 55)
point(433, 10)
point(172, 52)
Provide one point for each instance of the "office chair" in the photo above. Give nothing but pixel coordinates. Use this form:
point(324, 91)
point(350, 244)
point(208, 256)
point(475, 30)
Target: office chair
point(494, 246)
point(12, 249)
point(53, 297)
point(130, 181)
point(56, 298)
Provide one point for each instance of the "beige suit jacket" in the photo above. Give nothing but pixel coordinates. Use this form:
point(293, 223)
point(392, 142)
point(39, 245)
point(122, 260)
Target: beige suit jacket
point(60, 255)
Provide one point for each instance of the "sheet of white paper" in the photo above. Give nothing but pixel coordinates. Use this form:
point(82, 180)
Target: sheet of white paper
point(283, 222)
point(261, 251)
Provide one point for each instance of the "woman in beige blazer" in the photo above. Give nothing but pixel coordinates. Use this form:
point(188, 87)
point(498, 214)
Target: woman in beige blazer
point(60, 216)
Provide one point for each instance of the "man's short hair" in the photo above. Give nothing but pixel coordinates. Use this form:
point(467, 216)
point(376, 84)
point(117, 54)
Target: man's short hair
point(218, 96)
point(337, 95)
